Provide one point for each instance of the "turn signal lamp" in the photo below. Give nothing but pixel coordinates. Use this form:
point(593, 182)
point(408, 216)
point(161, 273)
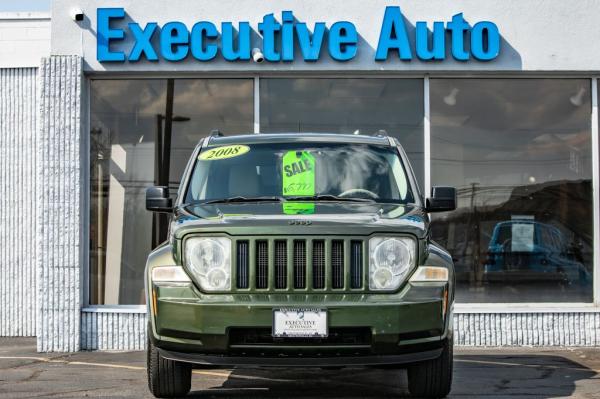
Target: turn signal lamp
point(170, 274)
point(430, 274)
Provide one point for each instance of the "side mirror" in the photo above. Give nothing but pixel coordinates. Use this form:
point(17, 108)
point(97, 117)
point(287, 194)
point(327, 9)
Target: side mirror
point(158, 199)
point(443, 199)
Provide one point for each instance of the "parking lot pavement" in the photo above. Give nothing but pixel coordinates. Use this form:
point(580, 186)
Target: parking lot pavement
point(490, 373)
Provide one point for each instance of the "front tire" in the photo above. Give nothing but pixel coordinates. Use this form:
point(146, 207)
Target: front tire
point(167, 378)
point(432, 378)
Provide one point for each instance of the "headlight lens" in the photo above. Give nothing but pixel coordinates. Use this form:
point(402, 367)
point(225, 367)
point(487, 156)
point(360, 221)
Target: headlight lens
point(209, 259)
point(390, 261)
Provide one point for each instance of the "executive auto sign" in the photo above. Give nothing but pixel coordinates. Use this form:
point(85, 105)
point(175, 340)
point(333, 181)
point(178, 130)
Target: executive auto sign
point(204, 41)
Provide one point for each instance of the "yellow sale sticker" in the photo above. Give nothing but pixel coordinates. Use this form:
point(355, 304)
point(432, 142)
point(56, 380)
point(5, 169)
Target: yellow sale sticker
point(228, 151)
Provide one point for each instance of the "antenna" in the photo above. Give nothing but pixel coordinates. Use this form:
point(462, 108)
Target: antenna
point(381, 133)
point(216, 133)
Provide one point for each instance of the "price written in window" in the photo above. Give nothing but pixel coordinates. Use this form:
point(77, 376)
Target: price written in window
point(298, 173)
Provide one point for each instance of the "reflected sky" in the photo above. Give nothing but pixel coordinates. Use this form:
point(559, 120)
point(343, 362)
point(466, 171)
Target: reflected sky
point(336, 105)
point(505, 132)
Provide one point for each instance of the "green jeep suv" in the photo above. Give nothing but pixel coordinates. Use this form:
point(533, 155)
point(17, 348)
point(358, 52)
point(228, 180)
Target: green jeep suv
point(299, 250)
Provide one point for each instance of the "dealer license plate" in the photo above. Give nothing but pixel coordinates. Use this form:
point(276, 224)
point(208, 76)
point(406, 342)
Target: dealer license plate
point(300, 322)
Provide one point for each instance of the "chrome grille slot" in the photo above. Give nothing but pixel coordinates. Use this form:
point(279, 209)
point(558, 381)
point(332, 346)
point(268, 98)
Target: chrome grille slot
point(243, 257)
point(262, 264)
point(356, 273)
point(337, 264)
point(299, 264)
point(280, 264)
point(318, 262)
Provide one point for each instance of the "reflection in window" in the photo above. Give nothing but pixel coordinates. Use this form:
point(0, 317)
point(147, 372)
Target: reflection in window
point(128, 119)
point(362, 106)
point(519, 152)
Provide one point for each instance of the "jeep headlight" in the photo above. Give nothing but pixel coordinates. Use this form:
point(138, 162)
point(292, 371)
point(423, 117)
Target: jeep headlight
point(390, 261)
point(209, 260)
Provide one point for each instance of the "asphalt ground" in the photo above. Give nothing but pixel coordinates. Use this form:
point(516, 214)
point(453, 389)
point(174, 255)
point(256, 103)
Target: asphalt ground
point(487, 373)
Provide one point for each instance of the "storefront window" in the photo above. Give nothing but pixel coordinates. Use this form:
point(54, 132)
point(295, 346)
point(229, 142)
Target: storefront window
point(519, 152)
point(128, 119)
point(362, 106)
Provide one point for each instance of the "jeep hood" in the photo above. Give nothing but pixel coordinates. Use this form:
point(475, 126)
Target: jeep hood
point(300, 218)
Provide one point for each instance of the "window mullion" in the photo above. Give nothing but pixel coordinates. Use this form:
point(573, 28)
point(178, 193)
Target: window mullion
point(256, 104)
point(596, 194)
point(426, 137)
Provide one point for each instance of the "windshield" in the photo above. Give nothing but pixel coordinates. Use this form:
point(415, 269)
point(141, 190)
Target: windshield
point(297, 171)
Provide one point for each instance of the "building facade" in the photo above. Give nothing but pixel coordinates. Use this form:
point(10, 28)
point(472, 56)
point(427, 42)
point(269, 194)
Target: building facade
point(106, 98)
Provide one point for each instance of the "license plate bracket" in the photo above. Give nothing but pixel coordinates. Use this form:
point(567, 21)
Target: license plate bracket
point(300, 323)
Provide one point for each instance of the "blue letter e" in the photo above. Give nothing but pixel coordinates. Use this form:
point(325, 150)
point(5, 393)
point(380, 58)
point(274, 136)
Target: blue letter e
point(105, 34)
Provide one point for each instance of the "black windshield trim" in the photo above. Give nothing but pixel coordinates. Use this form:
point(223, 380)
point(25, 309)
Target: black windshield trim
point(241, 199)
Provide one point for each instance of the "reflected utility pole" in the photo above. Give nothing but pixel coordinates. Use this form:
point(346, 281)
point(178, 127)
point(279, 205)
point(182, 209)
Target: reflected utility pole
point(474, 231)
point(162, 159)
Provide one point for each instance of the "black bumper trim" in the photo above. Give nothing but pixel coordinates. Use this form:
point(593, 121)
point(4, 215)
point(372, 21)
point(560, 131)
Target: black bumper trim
point(243, 361)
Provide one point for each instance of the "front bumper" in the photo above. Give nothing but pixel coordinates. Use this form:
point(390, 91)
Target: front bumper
point(365, 329)
point(295, 361)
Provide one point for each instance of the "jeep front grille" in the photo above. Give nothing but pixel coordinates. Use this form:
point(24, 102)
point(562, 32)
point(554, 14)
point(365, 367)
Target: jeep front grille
point(262, 264)
point(299, 264)
point(306, 263)
point(318, 257)
point(280, 264)
point(356, 264)
point(337, 263)
point(242, 264)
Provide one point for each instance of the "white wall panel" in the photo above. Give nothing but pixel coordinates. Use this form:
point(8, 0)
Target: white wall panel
point(18, 160)
point(60, 207)
point(113, 331)
point(24, 38)
point(537, 35)
point(527, 329)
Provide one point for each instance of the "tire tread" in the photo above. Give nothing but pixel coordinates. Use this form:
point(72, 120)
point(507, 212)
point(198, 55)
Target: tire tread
point(167, 378)
point(432, 378)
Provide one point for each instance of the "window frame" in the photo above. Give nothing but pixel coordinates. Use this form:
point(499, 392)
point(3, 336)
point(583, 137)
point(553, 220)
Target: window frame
point(492, 307)
point(85, 273)
point(534, 307)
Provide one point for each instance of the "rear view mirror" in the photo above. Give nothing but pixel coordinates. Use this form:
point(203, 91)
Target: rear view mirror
point(443, 199)
point(158, 199)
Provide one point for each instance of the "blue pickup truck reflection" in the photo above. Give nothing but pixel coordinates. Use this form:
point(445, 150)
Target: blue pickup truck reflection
point(526, 250)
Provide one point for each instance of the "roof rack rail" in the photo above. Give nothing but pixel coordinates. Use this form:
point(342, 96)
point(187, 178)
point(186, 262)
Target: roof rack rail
point(381, 133)
point(215, 133)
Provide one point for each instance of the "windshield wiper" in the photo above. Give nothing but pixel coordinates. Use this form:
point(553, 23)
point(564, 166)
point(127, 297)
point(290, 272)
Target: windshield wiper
point(243, 199)
point(326, 197)
point(299, 198)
